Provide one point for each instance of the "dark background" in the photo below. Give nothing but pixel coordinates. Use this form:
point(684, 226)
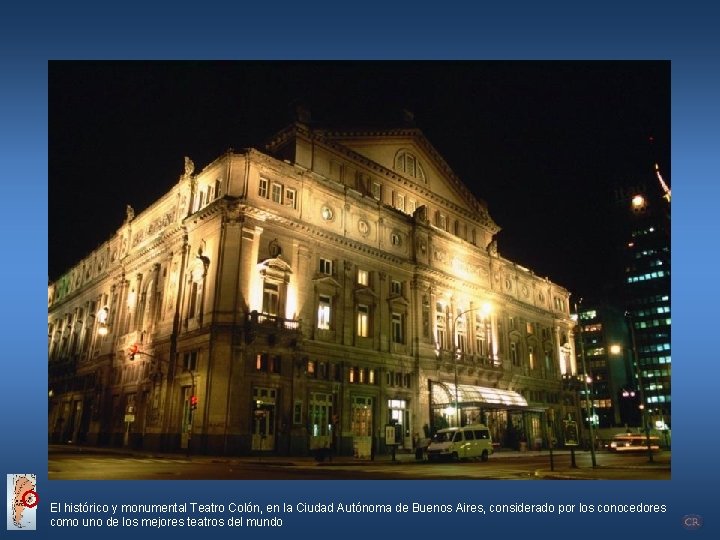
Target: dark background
point(543, 143)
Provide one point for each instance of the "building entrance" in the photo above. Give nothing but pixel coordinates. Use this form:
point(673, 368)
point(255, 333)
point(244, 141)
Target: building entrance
point(361, 425)
point(263, 435)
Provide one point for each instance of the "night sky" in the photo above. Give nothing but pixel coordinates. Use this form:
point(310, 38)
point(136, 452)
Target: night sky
point(543, 143)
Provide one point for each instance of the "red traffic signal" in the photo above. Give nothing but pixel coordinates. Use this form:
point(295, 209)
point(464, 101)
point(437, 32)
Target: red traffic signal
point(193, 402)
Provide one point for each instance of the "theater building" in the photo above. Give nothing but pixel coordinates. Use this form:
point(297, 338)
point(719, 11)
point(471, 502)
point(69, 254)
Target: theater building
point(307, 295)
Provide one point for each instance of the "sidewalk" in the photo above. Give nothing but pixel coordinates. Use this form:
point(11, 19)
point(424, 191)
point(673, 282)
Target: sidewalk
point(562, 469)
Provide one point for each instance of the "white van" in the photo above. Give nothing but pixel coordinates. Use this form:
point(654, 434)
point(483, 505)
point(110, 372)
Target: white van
point(471, 441)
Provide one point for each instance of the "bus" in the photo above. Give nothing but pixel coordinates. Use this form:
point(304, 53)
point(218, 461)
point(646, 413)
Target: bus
point(634, 442)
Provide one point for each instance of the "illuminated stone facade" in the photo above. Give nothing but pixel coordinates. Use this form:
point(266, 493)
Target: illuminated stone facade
point(307, 296)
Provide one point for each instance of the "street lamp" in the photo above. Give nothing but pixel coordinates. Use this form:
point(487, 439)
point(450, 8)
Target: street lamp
point(485, 309)
point(588, 401)
point(641, 386)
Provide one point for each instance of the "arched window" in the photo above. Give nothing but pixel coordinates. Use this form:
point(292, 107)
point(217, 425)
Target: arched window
point(408, 164)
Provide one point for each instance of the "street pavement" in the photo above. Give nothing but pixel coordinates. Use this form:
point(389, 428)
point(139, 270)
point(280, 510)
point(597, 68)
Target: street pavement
point(616, 467)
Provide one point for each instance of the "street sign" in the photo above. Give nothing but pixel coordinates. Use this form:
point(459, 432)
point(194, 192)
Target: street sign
point(129, 418)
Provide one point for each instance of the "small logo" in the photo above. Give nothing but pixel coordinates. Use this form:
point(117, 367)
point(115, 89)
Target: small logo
point(22, 500)
point(692, 522)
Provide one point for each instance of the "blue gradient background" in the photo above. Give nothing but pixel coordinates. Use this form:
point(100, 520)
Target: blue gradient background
point(641, 30)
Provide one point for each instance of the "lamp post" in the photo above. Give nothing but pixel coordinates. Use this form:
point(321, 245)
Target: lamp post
point(588, 400)
point(641, 389)
point(485, 309)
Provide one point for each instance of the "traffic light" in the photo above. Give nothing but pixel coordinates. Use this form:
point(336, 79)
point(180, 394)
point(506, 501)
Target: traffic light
point(133, 352)
point(193, 402)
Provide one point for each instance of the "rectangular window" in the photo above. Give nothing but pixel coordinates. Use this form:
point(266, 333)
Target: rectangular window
point(531, 356)
point(291, 198)
point(363, 321)
point(277, 193)
point(192, 300)
point(480, 344)
point(190, 361)
point(395, 287)
point(413, 206)
point(530, 328)
point(274, 366)
point(217, 189)
point(443, 222)
point(261, 362)
point(514, 358)
point(324, 312)
point(397, 328)
point(271, 297)
point(400, 202)
point(297, 412)
point(362, 278)
point(326, 267)
point(376, 190)
point(440, 326)
point(263, 188)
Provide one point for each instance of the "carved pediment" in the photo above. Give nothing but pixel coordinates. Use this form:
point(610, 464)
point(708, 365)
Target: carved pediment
point(276, 264)
point(327, 281)
point(365, 291)
point(397, 299)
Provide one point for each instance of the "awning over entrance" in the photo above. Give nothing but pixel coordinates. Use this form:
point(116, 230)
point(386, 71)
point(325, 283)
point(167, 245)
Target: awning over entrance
point(468, 395)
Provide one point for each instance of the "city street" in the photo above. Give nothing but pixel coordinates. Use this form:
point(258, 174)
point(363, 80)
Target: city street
point(72, 463)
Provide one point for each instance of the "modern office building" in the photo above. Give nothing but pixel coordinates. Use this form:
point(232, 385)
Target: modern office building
point(307, 295)
point(647, 292)
point(603, 340)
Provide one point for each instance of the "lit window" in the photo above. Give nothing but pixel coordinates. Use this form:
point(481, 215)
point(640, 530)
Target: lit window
point(376, 191)
point(400, 202)
point(362, 278)
point(363, 321)
point(324, 312)
point(263, 188)
point(271, 296)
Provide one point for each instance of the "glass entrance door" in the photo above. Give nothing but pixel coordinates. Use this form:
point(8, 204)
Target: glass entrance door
point(320, 415)
point(362, 426)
